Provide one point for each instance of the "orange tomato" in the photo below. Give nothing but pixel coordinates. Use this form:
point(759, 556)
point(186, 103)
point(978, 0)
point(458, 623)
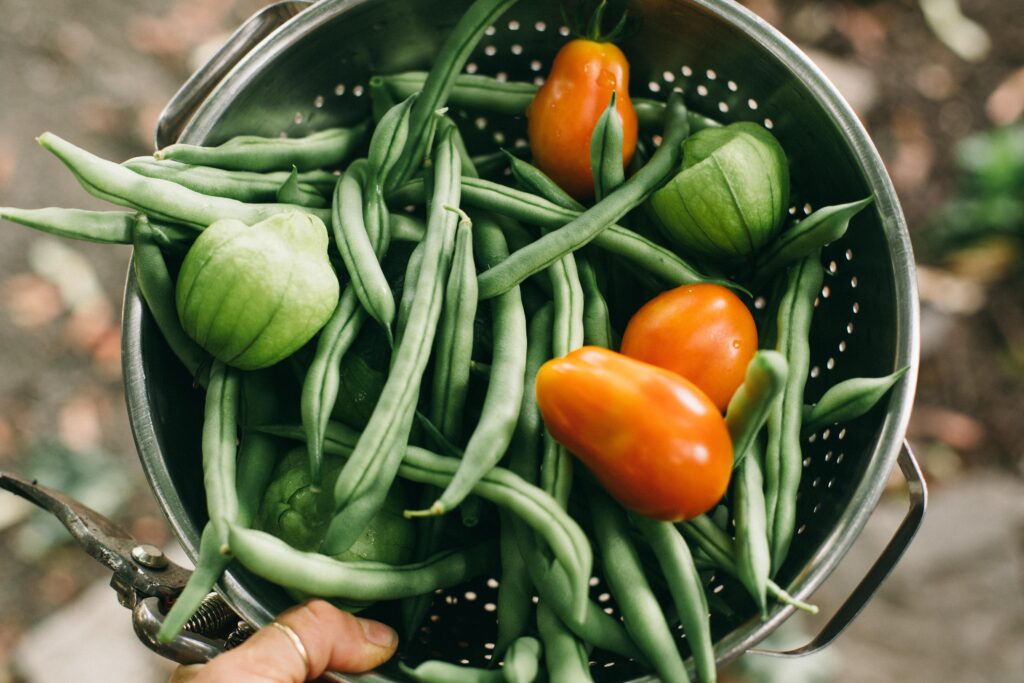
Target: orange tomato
point(702, 332)
point(565, 110)
point(653, 440)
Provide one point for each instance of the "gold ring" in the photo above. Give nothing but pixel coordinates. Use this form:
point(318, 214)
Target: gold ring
point(296, 642)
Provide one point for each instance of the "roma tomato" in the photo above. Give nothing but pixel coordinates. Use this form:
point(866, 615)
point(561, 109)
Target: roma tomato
point(565, 110)
point(653, 440)
point(702, 332)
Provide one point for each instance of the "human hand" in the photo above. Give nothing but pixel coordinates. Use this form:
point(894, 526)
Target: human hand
point(301, 644)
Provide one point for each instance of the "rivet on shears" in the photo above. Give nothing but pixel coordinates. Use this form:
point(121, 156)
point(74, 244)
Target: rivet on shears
point(149, 556)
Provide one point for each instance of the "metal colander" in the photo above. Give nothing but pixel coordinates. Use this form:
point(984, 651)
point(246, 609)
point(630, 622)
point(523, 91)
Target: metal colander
point(296, 68)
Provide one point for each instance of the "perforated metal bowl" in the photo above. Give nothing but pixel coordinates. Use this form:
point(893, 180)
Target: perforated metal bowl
point(296, 68)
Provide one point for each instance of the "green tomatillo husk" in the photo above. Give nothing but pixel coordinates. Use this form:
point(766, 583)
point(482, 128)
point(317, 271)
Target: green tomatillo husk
point(729, 198)
point(253, 295)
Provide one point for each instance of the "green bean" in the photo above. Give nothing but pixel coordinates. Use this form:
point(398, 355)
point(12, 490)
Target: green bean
point(719, 548)
point(529, 208)
point(357, 248)
point(368, 473)
point(512, 98)
point(597, 325)
point(471, 91)
point(687, 591)
point(429, 541)
point(454, 348)
point(381, 99)
point(437, 671)
point(516, 234)
point(157, 288)
point(388, 144)
point(565, 656)
point(523, 458)
point(219, 445)
point(245, 186)
point(500, 486)
point(522, 662)
point(514, 590)
point(749, 407)
point(105, 227)
point(650, 115)
point(606, 152)
point(534, 180)
point(160, 199)
point(557, 464)
point(848, 400)
point(323, 377)
point(257, 452)
point(405, 228)
point(493, 433)
point(492, 163)
point(623, 570)
point(412, 273)
point(438, 84)
point(324, 149)
point(294, 192)
point(555, 590)
point(209, 567)
point(753, 557)
point(468, 167)
point(783, 459)
point(273, 559)
point(597, 218)
point(806, 237)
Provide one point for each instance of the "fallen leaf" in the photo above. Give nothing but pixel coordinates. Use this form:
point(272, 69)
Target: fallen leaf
point(854, 81)
point(106, 354)
point(935, 81)
point(1006, 103)
point(79, 425)
point(74, 275)
point(948, 292)
point(955, 429)
point(964, 36)
point(86, 327)
point(31, 301)
point(865, 30)
point(911, 165)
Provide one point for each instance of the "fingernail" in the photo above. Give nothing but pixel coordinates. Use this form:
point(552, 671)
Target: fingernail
point(378, 633)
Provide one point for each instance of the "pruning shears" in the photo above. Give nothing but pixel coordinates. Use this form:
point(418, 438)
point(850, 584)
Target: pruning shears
point(146, 581)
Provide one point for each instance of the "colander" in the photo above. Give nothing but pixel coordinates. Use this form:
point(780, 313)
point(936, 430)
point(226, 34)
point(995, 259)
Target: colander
point(298, 67)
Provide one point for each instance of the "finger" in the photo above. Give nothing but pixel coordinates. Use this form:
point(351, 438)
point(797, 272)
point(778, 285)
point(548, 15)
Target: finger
point(185, 673)
point(333, 640)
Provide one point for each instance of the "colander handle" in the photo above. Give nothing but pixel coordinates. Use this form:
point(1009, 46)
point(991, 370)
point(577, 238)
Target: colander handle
point(844, 616)
point(186, 101)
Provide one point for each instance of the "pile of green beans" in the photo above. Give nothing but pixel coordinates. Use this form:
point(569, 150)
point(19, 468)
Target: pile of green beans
point(472, 279)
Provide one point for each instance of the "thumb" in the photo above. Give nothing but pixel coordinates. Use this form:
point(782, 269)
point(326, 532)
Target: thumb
point(333, 640)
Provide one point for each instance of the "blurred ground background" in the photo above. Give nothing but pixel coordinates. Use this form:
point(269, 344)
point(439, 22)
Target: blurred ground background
point(940, 86)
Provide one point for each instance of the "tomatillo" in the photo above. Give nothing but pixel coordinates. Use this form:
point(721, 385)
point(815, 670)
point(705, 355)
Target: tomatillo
point(253, 295)
point(729, 198)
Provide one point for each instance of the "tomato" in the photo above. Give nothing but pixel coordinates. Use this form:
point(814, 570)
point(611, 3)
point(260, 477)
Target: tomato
point(702, 332)
point(565, 110)
point(653, 440)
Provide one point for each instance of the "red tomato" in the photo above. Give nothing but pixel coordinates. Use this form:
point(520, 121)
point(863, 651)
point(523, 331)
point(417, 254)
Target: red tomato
point(702, 332)
point(566, 108)
point(653, 440)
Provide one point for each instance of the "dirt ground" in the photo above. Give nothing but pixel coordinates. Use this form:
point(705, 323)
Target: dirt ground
point(99, 72)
